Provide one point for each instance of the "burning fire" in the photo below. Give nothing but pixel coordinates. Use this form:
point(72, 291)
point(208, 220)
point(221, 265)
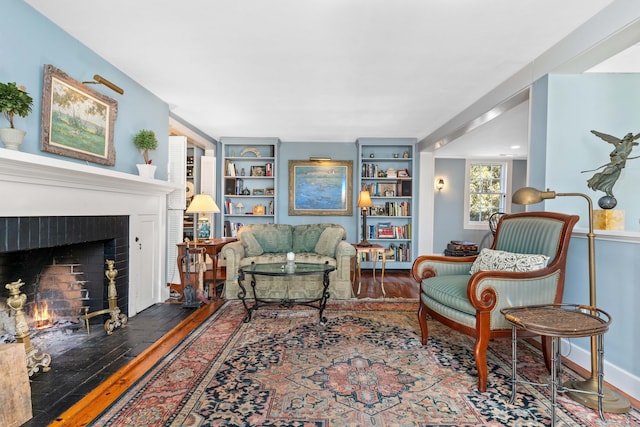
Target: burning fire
point(41, 316)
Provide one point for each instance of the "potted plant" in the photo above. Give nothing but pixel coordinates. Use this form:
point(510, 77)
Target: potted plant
point(144, 141)
point(14, 100)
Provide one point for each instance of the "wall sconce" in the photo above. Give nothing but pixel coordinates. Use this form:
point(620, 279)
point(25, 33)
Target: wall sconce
point(98, 79)
point(439, 184)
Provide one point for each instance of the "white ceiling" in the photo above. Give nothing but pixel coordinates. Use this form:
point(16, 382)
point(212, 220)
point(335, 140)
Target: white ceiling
point(323, 70)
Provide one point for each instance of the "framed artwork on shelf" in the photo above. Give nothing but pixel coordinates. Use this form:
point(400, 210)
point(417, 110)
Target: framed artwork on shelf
point(269, 192)
point(76, 120)
point(258, 192)
point(320, 187)
point(258, 171)
point(386, 190)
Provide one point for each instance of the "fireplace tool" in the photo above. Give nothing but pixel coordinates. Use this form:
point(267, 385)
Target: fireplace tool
point(193, 255)
point(117, 319)
point(35, 358)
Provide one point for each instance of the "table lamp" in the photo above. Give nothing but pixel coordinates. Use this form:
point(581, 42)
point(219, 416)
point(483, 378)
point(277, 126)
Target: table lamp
point(612, 402)
point(364, 202)
point(202, 204)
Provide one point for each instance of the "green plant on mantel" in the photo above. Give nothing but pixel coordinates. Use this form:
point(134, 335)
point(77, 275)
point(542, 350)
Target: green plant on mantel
point(145, 140)
point(14, 100)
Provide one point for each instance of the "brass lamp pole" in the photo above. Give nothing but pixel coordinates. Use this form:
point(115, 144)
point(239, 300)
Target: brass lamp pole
point(612, 402)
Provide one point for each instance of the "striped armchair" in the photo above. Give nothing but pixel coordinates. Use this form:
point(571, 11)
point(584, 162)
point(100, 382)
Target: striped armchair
point(467, 293)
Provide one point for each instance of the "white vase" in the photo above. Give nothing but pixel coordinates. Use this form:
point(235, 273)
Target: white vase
point(146, 171)
point(12, 138)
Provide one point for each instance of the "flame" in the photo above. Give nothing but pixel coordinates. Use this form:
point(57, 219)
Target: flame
point(41, 315)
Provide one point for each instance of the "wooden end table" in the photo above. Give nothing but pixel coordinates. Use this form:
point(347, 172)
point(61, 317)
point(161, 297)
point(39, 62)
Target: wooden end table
point(212, 247)
point(375, 250)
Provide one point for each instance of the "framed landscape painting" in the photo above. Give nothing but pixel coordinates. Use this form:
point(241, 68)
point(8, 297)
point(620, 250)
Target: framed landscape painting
point(320, 187)
point(77, 121)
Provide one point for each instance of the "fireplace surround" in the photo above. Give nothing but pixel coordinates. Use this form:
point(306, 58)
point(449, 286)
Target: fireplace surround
point(73, 200)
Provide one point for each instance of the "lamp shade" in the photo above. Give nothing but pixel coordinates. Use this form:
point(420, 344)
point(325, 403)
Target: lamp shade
point(530, 195)
point(364, 200)
point(203, 204)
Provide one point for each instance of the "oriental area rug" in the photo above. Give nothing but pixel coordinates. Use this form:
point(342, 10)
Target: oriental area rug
point(364, 367)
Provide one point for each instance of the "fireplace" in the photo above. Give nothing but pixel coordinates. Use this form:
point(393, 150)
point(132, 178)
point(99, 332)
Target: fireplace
point(61, 260)
point(49, 202)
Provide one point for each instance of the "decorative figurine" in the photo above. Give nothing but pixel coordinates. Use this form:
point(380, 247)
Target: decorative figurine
point(606, 179)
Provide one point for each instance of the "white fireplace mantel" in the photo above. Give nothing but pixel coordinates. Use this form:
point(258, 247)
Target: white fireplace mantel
point(32, 185)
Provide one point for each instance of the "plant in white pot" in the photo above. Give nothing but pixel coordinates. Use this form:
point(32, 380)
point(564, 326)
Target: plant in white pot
point(144, 141)
point(14, 100)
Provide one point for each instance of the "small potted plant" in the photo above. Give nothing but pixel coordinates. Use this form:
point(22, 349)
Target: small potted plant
point(144, 141)
point(14, 100)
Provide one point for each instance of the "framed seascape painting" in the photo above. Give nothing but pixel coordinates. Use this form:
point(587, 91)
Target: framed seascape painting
point(320, 187)
point(77, 121)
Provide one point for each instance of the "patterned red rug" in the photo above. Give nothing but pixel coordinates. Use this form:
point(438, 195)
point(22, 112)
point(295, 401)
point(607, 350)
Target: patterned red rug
point(365, 367)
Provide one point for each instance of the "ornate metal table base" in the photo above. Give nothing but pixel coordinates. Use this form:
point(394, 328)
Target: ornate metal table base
point(288, 269)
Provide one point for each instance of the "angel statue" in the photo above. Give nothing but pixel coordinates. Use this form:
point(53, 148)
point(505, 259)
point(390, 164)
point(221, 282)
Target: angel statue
point(606, 179)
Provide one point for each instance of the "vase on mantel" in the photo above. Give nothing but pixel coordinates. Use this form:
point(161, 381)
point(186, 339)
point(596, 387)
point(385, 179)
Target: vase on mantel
point(12, 138)
point(146, 170)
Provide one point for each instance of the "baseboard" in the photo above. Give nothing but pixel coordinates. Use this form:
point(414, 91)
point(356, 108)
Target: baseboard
point(618, 378)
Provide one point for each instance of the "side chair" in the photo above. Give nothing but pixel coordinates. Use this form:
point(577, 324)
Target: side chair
point(524, 266)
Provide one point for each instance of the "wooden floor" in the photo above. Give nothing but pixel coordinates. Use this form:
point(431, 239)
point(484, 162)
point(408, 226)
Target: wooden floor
point(84, 380)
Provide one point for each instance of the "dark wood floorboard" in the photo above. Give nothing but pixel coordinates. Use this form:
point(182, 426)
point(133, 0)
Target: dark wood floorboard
point(80, 370)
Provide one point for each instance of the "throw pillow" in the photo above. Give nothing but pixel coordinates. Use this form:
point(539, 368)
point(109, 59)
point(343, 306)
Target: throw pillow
point(328, 241)
point(274, 238)
point(305, 237)
point(493, 260)
point(250, 244)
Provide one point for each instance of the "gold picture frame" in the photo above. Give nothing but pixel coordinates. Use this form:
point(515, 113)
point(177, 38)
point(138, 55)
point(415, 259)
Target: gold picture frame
point(322, 188)
point(76, 120)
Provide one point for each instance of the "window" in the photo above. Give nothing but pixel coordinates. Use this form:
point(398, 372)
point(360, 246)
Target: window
point(486, 192)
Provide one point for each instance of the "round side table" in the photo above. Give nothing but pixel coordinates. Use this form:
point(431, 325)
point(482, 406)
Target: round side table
point(559, 321)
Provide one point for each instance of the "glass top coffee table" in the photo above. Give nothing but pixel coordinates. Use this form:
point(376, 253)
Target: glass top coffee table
point(284, 269)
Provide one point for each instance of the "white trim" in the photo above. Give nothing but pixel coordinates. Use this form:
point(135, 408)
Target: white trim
point(623, 380)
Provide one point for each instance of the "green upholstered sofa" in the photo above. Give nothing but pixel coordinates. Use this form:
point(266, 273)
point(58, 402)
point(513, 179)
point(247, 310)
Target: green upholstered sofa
point(467, 293)
point(270, 243)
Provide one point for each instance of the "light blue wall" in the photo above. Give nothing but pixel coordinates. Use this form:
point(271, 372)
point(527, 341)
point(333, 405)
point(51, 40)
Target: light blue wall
point(573, 106)
point(449, 202)
point(29, 41)
point(302, 151)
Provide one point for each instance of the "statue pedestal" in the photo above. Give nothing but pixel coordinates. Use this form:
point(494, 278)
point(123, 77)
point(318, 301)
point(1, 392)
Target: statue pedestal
point(608, 219)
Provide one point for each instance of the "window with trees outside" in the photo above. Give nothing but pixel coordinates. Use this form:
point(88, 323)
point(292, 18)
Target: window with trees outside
point(487, 191)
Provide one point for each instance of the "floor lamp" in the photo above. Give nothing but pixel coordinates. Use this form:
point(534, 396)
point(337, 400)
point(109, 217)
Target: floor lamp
point(613, 402)
point(364, 202)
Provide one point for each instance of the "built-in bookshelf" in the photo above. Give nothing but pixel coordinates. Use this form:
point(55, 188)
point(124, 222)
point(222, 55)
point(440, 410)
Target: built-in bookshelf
point(249, 181)
point(386, 170)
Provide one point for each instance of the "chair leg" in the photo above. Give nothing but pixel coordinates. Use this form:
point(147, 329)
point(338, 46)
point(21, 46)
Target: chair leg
point(480, 353)
point(422, 319)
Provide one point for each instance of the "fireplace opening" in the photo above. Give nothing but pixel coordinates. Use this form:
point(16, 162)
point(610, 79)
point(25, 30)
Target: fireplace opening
point(64, 281)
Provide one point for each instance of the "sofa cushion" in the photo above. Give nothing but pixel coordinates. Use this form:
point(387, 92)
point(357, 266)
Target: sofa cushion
point(493, 260)
point(328, 241)
point(305, 237)
point(274, 238)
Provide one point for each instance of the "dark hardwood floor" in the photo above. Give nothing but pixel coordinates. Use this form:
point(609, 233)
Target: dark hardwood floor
point(88, 377)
